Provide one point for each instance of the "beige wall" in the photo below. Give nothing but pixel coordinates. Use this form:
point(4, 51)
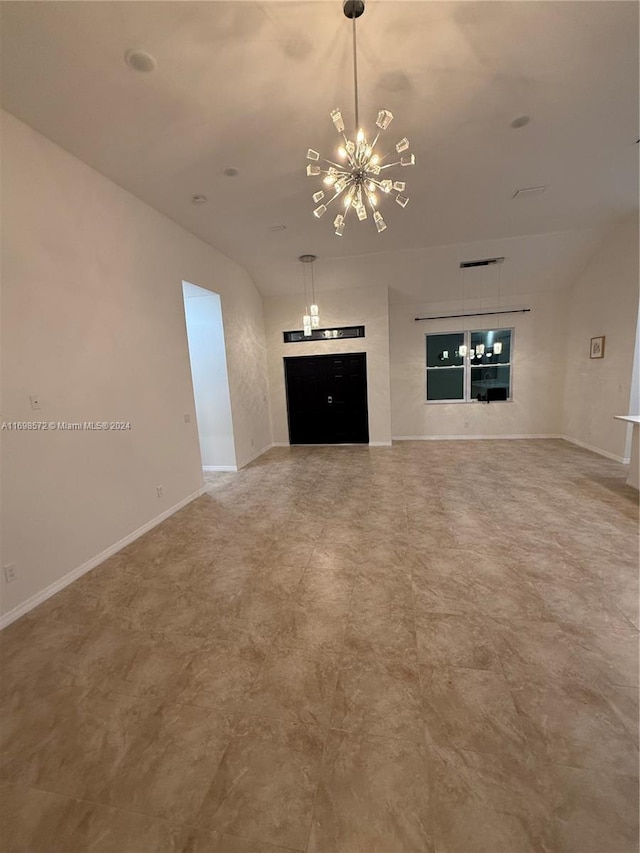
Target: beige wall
point(93, 322)
point(603, 301)
point(368, 307)
point(538, 348)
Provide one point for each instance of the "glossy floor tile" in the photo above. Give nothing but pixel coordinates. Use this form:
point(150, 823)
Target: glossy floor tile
point(428, 648)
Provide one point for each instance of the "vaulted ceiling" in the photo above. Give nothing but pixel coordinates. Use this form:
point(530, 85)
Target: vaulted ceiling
point(250, 85)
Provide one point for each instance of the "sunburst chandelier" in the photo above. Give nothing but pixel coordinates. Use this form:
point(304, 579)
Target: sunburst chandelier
point(359, 175)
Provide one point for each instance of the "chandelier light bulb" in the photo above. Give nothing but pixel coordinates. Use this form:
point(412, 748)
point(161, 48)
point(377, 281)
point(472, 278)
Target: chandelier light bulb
point(497, 348)
point(336, 117)
point(384, 119)
point(480, 349)
point(462, 350)
point(342, 152)
point(313, 310)
point(380, 223)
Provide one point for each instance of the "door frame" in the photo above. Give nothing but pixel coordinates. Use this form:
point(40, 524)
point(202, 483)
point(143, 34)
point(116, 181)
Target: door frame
point(363, 353)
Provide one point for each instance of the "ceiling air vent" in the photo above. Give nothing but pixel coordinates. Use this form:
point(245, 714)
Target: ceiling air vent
point(482, 262)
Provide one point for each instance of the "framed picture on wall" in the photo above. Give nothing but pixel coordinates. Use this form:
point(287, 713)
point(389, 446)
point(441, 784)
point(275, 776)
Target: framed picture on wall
point(597, 347)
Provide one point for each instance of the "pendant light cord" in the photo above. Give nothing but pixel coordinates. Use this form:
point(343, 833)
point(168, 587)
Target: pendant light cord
point(313, 287)
point(304, 287)
point(355, 72)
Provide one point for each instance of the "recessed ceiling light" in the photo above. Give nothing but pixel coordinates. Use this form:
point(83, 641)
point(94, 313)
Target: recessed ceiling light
point(277, 228)
point(140, 60)
point(528, 191)
point(198, 199)
point(520, 121)
point(230, 171)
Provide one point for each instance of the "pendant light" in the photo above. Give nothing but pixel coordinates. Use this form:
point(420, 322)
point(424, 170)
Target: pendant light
point(311, 317)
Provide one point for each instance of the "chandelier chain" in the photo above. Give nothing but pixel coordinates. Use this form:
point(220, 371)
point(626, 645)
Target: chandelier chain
point(355, 73)
point(304, 285)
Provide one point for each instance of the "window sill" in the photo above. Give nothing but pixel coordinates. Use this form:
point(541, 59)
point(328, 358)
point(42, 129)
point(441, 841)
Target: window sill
point(464, 402)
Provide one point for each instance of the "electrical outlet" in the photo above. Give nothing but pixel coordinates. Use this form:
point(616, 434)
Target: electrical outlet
point(34, 399)
point(187, 419)
point(160, 491)
point(11, 573)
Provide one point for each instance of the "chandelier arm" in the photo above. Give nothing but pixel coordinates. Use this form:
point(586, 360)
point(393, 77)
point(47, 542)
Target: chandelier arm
point(333, 198)
point(371, 204)
point(389, 165)
point(339, 166)
point(313, 287)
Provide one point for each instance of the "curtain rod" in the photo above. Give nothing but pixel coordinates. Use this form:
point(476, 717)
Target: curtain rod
point(476, 314)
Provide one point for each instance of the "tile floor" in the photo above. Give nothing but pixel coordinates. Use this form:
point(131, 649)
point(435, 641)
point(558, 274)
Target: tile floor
point(430, 648)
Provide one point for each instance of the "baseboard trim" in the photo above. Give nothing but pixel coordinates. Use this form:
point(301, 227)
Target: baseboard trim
point(76, 573)
point(255, 456)
point(624, 460)
point(472, 437)
point(380, 444)
point(232, 468)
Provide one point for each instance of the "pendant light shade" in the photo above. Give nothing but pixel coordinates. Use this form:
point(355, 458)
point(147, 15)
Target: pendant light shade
point(311, 316)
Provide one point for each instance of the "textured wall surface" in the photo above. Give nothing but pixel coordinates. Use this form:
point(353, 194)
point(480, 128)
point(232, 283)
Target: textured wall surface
point(604, 301)
point(93, 322)
point(368, 307)
point(538, 363)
